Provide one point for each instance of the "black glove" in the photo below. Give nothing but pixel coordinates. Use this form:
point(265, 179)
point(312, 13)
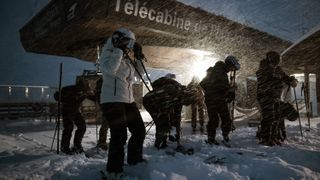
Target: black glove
point(293, 81)
point(137, 49)
point(230, 96)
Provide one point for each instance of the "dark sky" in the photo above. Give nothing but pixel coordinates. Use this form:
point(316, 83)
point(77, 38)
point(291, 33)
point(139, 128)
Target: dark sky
point(20, 67)
point(285, 18)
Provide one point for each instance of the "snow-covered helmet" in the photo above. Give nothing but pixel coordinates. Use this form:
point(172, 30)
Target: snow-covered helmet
point(232, 61)
point(273, 57)
point(123, 38)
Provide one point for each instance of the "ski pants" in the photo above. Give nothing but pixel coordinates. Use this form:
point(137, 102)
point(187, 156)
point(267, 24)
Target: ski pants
point(218, 111)
point(164, 121)
point(197, 109)
point(68, 120)
point(121, 116)
point(270, 112)
point(103, 132)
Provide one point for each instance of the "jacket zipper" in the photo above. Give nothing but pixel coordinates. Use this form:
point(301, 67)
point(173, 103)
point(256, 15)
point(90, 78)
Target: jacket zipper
point(130, 71)
point(115, 87)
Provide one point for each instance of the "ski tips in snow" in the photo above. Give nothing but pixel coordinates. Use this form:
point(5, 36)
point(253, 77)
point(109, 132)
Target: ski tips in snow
point(212, 142)
point(215, 160)
point(226, 144)
point(180, 149)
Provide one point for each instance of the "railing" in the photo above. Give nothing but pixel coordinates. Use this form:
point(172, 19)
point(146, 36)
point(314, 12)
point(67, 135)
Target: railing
point(27, 109)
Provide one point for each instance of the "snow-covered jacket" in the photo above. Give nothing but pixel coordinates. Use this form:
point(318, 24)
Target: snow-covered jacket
point(118, 75)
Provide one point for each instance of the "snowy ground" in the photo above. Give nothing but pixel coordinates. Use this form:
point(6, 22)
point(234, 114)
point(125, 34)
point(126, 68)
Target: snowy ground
point(25, 154)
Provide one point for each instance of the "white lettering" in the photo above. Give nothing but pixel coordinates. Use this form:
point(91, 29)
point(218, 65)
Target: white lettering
point(187, 25)
point(151, 15)
point(72, 11)
point(168, 18)
point(118, 5)
point(128, 8)
point(137, 8)
point(179, 23)
point(197, 27)
point(174, 19)
point(159, 18)
point(143, 12)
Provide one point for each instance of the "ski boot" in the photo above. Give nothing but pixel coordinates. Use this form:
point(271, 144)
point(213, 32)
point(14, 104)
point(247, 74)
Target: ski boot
point(226, 138)
point(103, 146)
point(212, 141)
point(78, 149)
point(66, 150)
point(201, 129)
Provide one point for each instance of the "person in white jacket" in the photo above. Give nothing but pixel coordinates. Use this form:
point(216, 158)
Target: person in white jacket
point(117, 101)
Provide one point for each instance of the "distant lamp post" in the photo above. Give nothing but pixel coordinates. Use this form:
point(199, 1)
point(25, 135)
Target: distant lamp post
point(9, 92)
point(27, 92)
point(42, 93)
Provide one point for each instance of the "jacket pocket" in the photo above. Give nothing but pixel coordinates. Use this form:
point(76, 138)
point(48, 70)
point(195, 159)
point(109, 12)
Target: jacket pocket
point(115, 87)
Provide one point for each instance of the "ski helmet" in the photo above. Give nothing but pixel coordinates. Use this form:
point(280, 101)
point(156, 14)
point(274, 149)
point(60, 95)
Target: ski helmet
point(232, 61)
point(273, 57)
point(123, 38)
point(170, 75)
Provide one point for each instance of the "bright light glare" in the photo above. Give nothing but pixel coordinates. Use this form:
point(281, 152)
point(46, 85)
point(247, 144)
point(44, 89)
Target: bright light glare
point(199, 68)
point(202, 63)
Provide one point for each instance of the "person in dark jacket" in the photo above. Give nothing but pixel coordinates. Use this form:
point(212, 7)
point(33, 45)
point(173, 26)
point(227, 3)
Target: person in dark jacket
point(197, 106)
point(164, 104)
point(271, 79)
point(286, 111)
point(71, 99)
point(218, 93)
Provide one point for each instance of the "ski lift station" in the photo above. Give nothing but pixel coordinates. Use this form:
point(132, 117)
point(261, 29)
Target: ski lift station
point(176, 37)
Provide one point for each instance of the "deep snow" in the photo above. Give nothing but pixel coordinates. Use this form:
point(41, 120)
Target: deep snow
point(25, 154)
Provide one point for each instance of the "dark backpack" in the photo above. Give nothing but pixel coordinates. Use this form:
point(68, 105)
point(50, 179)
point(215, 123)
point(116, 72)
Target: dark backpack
point(288, 111)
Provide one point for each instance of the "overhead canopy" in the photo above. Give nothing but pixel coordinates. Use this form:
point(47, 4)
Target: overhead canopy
point(304, 55)
point(75, 28)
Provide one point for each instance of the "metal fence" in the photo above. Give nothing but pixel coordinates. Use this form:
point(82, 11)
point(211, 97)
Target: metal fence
point(27, 101)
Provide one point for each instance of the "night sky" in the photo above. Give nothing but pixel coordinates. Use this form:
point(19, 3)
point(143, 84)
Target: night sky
point(23, 68)
point(20, 67)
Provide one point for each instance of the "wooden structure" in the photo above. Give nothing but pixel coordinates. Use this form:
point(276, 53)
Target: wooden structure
point(304, 57)
point(75, 28)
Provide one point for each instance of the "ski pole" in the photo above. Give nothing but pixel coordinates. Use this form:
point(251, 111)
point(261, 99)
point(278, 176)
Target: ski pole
point(59, 109)
point(97, 132)
point(307, 96)
point(149, 124)
point(54, 135)
point(295, 97)
point(131, 61)
point(233, 102)
point(145, 70)
point(98, 70)
point(150, 127)
point(144, 82)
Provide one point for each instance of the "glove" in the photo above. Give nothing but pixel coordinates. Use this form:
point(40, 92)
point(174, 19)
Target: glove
point(137, 49)
point(230, 95)
point(293, 81)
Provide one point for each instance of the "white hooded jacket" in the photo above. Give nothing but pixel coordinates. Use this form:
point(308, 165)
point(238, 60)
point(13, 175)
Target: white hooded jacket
point(118, 75)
